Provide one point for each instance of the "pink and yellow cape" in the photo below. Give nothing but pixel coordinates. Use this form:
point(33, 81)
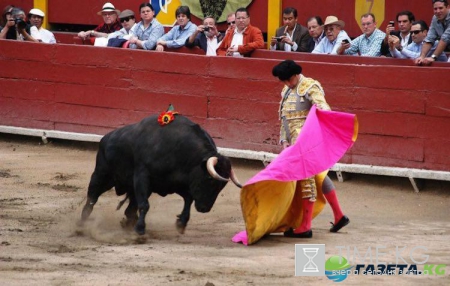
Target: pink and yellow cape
point(269, 201)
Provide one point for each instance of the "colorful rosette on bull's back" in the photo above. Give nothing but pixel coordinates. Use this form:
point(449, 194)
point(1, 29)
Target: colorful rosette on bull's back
point(167, 116)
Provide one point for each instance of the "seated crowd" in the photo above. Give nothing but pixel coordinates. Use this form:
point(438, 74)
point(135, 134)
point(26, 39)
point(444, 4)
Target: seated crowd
point(414, 39)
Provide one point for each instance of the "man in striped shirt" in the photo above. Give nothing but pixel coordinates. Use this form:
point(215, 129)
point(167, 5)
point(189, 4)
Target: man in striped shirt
point(369, 43)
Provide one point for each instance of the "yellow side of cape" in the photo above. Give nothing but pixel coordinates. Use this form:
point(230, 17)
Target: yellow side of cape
point(273, 206)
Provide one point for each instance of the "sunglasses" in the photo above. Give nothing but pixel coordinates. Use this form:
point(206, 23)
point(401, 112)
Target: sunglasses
point(125, 19)
point(232, 22)
point(416, 32)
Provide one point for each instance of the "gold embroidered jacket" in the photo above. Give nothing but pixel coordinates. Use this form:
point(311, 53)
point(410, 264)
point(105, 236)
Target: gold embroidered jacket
point(295, 105)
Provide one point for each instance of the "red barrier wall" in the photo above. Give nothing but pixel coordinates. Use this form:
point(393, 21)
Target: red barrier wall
point(403, 110)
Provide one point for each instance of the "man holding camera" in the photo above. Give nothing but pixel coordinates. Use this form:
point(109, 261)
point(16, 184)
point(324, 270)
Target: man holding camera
point(402, 37)
point(16, 27)
point(291, 37)
point(206, 37)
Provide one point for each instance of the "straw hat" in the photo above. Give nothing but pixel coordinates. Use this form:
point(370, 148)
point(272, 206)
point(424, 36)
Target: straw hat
point(333, 20)
point(108, 7)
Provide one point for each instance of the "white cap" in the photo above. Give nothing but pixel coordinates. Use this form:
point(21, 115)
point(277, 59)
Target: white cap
point(36, 12)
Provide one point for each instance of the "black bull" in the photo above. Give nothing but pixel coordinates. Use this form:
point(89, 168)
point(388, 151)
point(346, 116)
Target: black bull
point(145, 158)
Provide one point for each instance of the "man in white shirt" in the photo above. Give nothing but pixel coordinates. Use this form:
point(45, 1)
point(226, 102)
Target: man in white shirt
point(128, 21)
point(419, 31)
point(334, 36)
point(36, 17)
point(404, 21)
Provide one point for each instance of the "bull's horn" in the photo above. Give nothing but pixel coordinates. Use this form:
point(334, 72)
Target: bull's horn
point(235, 179)
point(212, 161)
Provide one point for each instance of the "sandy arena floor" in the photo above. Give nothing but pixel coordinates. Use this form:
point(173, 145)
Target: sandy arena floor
point(42, 189)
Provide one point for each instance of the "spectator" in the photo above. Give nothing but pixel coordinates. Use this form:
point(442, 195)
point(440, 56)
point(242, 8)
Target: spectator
point(36, 17)
point(110, 23)
point(6, 16)
point(335, 35)
point(243, 39)
point(315, 29)
point(176, 37)
point(419, 32)
point(148, 30)
point(128, 22)
point(291, 36)
point(119, 38)
point(369, 43)
point(231, 21)
point(16, 27)
point(207, 37)
point(3, 20)
point(404, 21)
point(439, 30)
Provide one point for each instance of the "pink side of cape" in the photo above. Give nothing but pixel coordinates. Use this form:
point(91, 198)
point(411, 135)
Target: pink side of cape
point(324, 139)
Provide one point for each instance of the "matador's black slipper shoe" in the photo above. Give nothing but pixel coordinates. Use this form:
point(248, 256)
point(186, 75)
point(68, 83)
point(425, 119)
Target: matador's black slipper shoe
point(290, 233)
point(341, 223)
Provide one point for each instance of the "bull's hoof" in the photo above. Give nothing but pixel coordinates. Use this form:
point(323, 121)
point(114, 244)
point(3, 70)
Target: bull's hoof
point(127, 223)
point(142, 239)
point(140, 229)
point(180, 226)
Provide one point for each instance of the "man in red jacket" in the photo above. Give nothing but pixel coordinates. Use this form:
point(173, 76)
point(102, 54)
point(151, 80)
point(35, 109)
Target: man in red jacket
point(242, 40)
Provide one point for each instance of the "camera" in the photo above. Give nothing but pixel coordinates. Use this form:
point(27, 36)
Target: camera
point(21, 24)
point(206, 28)
point(278, 39)
point(345, 41)
point(391, 23)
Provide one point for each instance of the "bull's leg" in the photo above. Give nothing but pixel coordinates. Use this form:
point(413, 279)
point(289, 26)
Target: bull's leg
point(183, 218)
point(97, 186)
point(131, 212)
point(141, 192)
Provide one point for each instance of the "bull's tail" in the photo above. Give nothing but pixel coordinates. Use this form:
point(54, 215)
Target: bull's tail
point(122, 202)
